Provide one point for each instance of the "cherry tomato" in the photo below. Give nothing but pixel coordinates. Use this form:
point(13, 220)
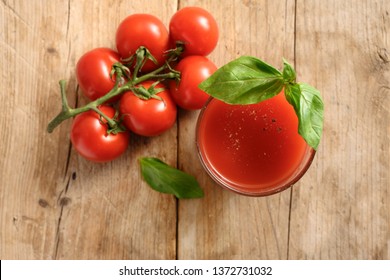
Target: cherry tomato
point(143, 30)
point(93, 72)
point(196, 28)
point(194, 70)
point(90, 138)
point(148, 117)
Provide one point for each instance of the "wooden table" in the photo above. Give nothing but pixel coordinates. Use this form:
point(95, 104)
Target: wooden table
point(56, 205)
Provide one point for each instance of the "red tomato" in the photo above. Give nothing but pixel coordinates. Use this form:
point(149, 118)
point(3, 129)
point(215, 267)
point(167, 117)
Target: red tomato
point(93, 72)
point(143, 30)
point(195, 27)
point(148, 117)
point(194, 70)
point(90, 139)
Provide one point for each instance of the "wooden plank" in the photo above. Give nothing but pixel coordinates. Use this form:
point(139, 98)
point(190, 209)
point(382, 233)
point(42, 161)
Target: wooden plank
point(31, 166)
point(341, 211)
point(54, 204)
point(224, 225)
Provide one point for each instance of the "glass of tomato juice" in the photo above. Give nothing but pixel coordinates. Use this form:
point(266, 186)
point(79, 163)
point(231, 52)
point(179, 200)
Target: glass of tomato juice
point(253, 150)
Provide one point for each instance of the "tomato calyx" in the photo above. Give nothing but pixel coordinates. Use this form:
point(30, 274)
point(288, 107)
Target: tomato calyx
point(139, 58)
point(119, 72)
point(175, 53)
point(114, 126)
point(146, 94)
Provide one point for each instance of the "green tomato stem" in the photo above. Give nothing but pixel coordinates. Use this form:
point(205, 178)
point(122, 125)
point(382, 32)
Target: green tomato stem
point(111, 123)
point(140, 61)
point(65, 105)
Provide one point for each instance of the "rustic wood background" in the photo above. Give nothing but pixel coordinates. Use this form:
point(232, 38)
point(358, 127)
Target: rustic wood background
point(56, 205)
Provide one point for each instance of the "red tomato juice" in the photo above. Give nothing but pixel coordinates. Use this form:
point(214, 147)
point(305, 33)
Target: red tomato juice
point(252, 149)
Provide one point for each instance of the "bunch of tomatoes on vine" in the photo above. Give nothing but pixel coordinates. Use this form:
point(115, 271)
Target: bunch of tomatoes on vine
point(138, 87)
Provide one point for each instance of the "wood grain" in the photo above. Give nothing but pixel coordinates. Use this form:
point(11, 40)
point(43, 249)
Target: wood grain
point(342, 208)
point(56, 205)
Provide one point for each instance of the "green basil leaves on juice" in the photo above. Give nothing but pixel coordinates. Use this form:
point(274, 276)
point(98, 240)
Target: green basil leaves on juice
point(259, 132)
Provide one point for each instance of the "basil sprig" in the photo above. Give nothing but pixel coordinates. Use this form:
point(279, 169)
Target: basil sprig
point(248, 80)
point(166, 179)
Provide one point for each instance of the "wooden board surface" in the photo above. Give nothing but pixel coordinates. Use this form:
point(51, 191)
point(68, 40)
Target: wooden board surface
point(56, 205)
point(343, 209)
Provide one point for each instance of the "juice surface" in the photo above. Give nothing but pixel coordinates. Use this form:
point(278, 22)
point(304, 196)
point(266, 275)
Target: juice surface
point(251, 146)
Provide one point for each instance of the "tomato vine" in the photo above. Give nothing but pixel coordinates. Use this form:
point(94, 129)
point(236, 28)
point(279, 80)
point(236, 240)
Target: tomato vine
point(119, 71)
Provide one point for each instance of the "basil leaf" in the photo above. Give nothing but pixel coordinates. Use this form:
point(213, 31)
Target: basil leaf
point(289, 75)
point(309, 108)
point(166, 179)
point(246, 80)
